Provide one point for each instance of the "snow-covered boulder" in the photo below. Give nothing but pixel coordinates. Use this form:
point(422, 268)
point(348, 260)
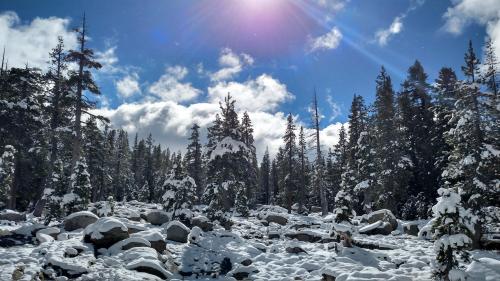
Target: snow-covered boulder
point(79, 220)
point(276, 218)
point(203, 223)
point(155, 239)
point(52, 231)
point(294, 249)
point(157, 217)
point(381, 215)
point(379, 227)
point(411, 228)
point(105, 232)
point(129, 243)
point(177, 231)
point(11, 215)
point(426, 231)
point(144, 259)
point(43, 238)
point(195, 235)
point(242, 272)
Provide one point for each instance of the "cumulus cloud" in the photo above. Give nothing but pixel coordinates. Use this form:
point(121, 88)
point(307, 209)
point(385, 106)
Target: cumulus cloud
point(109, 61)
point(128, 85)
point(231, 64)
point(328, 41)
point(465, 12)
point(263, 93)
point(383, 35)
point(31, 43)
point(171, 88)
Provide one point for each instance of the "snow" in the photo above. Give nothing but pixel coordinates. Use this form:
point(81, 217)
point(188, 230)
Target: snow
point(227, 145)
point(372, 226)
point(178, 224)
point(102, 225)
point(81, 213)
point(404, 257)
point(118, 247)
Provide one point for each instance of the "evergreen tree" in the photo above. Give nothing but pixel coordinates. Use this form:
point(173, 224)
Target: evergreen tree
point(82, 81)
point(392, 163)
point(318, 176)
point(274, 182)
point(194, 159)
point(94, 152)
point(53, 195)
point(289, 179)
point(6, 174)
point(78, 197)
point(301, 188)
point(265, 189)
point(252, 174)
point(180, 192)
point(452, 229)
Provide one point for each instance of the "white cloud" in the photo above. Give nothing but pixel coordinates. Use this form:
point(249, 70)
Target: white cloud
point(383, 35)
point(109, 61)
point(332, 5)
point(328, 41)
point(31, 43)
point(334, 107)
point(231, 64)
point(484, 12)
point(128, 85)
point(264, 93)
point(170, 88)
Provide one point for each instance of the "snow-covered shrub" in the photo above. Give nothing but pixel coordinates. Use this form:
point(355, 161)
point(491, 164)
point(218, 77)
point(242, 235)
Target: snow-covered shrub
point(452, 229)
point(180, 193)
point(416, 207)
point(343, 211)
point(79, 196)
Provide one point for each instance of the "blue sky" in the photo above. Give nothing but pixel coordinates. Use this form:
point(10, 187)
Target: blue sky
point(335, 46)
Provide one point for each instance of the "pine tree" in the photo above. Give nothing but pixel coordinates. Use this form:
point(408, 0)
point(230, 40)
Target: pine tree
point(274, 182)
point(241, 200)
point(180, 192)
point(93, 150)
point(392, 163)
point(6, 174)
point(251, 181)
point(452, 229)
point(301, 188)
point(265, 189)
point(59, 184)
point(194, 159)
point(83, 81)
point(340, 162)
point(78, 197)
point(319, 172)
point(290, 183)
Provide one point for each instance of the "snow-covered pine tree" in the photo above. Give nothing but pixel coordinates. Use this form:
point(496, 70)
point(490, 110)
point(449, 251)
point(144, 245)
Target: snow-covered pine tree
point(180, 192)
point(94, 152)
point(319, 167)
point(251, 181)
point(452, 229)
point(241, 200)
point(469, 170)
point(82, 80)
point(78, 197)
point(339, 165)
point(288, 194)
point(274, 182)
point(228, 160)
point(416, 123)
point(121, 174)
point(391, 162)
point(57, 186)
point(265, 180)
point(194, 159)
point(6, 174)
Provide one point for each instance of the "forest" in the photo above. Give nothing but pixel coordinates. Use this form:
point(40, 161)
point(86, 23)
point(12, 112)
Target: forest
point(426, 149)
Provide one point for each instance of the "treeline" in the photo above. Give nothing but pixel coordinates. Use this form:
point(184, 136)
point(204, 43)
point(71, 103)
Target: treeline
point(395, 154)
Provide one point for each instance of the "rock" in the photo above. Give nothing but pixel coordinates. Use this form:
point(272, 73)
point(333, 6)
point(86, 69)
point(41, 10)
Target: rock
point(52, 231)
point(129, 243)
point(273, 235)
point(155, 239)
point(327, 277)
point(79, 220)
point(203, 223)
point(411, 229)
point(379, 227)
point(176, 231)
point(264, 222)
point(240, 275)
point(246, 262)
point(381, 215)
point(195, 235)
point(276, 218)
point(105, 232)
point(157, 217)
point(295, 250)
point(305, 236)
point(43, 238)
point(144, 259)
point(11, 215)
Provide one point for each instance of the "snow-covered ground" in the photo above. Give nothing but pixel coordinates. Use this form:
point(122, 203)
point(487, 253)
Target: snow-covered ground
point(256, 249)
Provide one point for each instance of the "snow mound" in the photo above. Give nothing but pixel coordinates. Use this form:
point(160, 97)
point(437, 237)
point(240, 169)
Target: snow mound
point(103, 225)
